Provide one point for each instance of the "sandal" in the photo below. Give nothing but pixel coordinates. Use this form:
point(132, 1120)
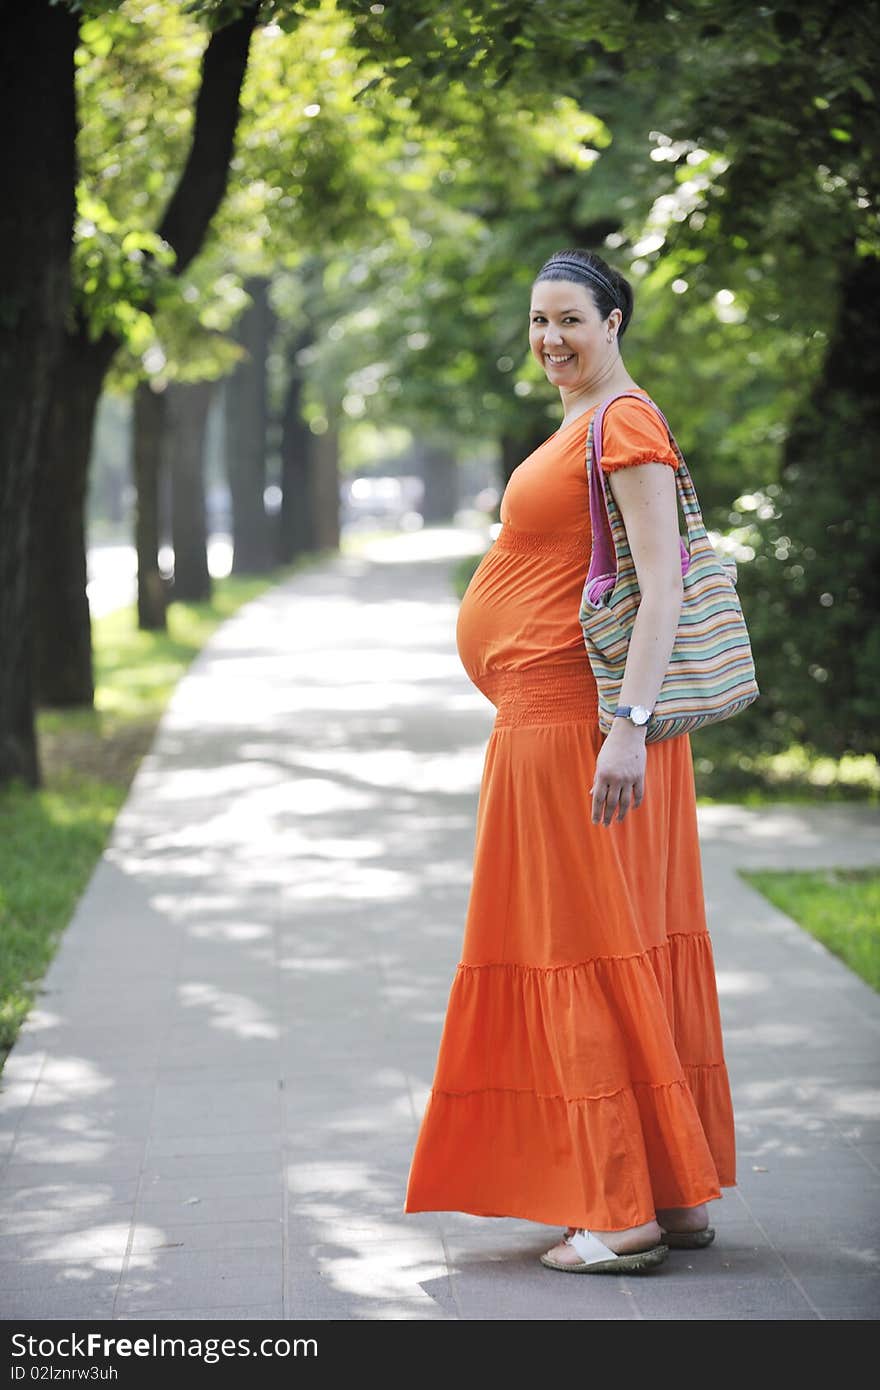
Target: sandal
point(596, 1258)
point(689, 1240)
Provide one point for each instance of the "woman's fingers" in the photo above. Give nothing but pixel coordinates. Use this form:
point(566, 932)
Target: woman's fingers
point(609, 802)
point(610, 796)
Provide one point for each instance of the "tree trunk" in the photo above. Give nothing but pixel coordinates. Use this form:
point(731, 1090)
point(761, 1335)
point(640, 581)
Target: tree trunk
point(812, 594)
point(62, 630)
point(440, 476)
point(38, 119)
point(148, 427)
point(297, 523)
point(186, 415)
point(62, 636)
point(325, 483)
point(246, 420)
point(517, 446)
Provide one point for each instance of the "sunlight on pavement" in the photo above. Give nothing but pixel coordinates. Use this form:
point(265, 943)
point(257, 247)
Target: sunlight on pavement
point(234, 1012)
point(431, 543)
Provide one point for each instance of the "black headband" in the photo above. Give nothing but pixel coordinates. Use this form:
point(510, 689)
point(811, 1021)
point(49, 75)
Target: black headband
point(589, 272)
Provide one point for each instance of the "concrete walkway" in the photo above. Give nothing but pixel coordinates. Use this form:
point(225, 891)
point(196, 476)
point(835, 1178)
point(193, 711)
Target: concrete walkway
point(211, 1111)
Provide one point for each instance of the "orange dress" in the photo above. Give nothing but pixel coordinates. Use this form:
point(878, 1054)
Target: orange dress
point(581, 1076)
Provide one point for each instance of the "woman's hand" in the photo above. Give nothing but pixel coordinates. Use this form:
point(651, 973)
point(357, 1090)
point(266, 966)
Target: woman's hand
point(619, 783)
point(646, 496)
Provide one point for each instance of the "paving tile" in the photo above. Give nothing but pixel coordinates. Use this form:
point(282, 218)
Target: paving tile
point(391, 1269)
point(692, 1297)
point(180, 1122)
point(183, 1052)
point(62, 1273)
point(842, 1293)
point(15, 1098)
point(113, 1167)
point(859, 1132)
point(251, 1042)
point(311, 1296)
point(103, 1089)
point(67, 1150)
point(180, 1145)
point(53, 1222)
point(161, 1167)
point(89, 1302)
point(153, 1236)
point(213, 1073)
point(263, 1312)
point(66, 1243)
point(216, 1210)
point(184, 1287)
point(317, 1221)
point(428, 1308)
point(74, 1195)
point(23, 1064)
point(230, 1185)
point(517, 1289)
point(807, 1257)
point(90, 1123)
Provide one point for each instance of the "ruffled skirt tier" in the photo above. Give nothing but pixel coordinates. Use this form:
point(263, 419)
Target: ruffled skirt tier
point(580, 1077)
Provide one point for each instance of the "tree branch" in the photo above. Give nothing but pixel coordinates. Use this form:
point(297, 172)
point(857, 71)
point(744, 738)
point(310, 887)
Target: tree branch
point(202, 183)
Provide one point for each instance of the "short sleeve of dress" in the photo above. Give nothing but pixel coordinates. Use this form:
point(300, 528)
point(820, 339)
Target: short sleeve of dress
point(632, 432)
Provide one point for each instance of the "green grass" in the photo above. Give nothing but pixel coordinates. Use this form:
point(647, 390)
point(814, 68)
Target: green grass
point(51, 837)
point(49, 842)
point(839, 907)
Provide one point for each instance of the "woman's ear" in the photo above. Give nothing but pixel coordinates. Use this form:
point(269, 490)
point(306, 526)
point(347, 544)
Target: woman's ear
point(613, 322)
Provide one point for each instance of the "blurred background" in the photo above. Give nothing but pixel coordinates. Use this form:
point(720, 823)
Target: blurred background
point(266, 284)
point(267, 278)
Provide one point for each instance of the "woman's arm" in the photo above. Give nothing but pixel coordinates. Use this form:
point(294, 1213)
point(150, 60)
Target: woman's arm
point(647, 498)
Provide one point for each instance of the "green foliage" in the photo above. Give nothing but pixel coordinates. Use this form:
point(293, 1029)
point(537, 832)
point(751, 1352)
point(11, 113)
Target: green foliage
point(403, 168)
point(839, 907)
point(812, 591)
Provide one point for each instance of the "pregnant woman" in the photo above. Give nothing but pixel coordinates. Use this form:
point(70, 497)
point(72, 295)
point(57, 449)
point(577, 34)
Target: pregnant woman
point(581, 1078)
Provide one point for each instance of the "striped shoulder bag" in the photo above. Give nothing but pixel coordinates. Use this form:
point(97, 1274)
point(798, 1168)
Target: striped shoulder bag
point(711, 672)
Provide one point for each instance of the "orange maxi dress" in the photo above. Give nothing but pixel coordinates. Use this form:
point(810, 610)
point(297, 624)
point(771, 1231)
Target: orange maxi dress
point(581, 1076)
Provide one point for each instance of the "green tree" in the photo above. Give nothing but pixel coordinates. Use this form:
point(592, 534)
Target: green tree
point(37, 45)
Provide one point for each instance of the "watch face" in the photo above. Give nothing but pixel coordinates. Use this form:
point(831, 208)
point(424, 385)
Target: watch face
point(640, 715)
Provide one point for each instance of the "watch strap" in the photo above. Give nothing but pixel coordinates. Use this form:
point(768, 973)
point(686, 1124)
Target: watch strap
point(625, 711)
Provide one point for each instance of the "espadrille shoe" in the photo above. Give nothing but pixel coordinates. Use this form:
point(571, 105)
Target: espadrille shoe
point(689, 1240)
point(596, 1258)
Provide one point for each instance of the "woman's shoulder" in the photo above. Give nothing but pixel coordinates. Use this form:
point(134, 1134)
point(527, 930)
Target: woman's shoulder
point(634, 432)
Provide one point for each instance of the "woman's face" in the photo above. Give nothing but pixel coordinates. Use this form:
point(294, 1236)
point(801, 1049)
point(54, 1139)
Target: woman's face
point(566, 334)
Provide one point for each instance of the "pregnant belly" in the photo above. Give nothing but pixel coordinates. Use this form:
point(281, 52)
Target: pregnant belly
point(519, 611)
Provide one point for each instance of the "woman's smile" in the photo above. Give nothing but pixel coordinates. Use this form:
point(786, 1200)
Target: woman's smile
point(575, 346)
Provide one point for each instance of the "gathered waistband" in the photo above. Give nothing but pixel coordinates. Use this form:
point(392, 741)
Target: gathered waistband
point(579, 545)
point(554, 694)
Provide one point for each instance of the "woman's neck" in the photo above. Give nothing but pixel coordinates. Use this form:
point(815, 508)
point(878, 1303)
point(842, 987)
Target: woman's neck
point(585, 397)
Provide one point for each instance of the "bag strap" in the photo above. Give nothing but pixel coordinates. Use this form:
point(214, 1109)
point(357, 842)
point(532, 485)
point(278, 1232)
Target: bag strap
point(603, 559)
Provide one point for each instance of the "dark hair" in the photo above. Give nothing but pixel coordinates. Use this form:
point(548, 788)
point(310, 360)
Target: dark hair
point(607, 286)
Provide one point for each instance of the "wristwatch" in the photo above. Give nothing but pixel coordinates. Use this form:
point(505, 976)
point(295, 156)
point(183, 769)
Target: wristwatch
point(636, 714)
